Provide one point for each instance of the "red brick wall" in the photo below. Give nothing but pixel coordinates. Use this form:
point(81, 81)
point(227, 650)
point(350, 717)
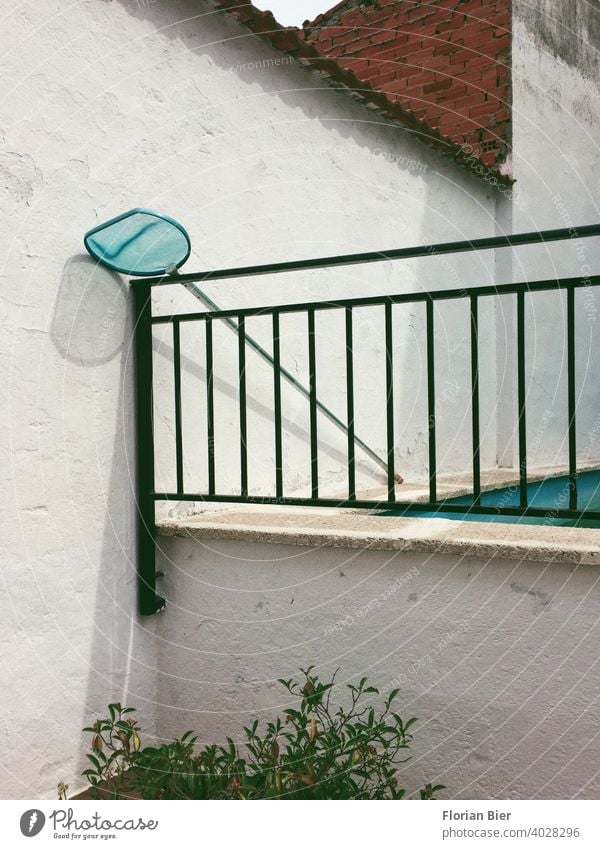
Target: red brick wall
point(447, 61)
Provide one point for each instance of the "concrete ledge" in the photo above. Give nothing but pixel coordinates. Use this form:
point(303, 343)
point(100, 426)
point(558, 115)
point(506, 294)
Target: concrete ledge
point(315, 527)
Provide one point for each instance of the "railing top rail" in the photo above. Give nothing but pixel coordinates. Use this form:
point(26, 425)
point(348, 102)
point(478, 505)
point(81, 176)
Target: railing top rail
point(488, 243)
point(378, 300)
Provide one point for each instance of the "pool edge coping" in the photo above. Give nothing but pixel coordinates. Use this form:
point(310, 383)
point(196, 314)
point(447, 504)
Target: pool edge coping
point(311, 527)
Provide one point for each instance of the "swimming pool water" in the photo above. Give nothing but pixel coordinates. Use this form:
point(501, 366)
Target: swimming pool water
point(550, 494)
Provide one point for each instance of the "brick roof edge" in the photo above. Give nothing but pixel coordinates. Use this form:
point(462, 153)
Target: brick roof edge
point(290, 40)
point(327, 15)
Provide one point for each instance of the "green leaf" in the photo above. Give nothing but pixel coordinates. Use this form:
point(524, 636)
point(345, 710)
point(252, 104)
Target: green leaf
point(354, 752)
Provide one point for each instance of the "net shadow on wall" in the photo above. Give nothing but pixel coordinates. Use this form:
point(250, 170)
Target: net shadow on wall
point(90, 313)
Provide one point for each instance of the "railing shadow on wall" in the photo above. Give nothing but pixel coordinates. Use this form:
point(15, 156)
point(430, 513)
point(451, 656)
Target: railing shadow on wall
point(237, 319)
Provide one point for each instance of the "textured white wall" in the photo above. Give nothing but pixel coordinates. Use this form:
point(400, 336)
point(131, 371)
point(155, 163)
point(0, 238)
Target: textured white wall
point(496, 658)
point(108, 105)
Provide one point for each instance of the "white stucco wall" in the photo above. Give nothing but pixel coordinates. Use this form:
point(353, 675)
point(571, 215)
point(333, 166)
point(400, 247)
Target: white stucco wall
point(496, 658)
point(109, 105)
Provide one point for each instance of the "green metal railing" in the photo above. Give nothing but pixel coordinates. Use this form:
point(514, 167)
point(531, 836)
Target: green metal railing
point(149, 601)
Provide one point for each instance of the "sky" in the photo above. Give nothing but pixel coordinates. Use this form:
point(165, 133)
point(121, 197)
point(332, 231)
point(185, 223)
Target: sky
point(295, 12)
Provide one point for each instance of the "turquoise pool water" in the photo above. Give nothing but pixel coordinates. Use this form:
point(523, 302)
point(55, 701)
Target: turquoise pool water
point(550, 494)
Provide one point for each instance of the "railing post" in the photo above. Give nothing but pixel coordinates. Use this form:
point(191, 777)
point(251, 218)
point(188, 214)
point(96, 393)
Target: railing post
point(148, 601)
point(572, 398)
point(522, 400)
point(389, 392)
point(431, 402)
point(475, 424)
point(314, 440)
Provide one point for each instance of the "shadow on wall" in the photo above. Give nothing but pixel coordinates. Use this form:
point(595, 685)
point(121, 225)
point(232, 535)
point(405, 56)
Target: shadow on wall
point(258, 403)
point(200, 29)
point(90, 315)
point(92, 328)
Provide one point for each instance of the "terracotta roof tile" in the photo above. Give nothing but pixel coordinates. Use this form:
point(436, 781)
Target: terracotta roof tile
point(350, 73)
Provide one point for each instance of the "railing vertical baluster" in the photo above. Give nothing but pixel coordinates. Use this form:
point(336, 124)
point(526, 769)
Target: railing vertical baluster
point(210, 406)
point(475, 425)
point(350, 405)
point(523, 499)
point(572, 398)
point(431, 403)
point(148, 600)
point(277, 406)
point(314, 442)
point(177, 388)
point(389, 388)
point(243, 409)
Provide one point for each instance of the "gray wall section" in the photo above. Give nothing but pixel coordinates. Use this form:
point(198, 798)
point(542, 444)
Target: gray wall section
point(497, 658)
point(570, 30)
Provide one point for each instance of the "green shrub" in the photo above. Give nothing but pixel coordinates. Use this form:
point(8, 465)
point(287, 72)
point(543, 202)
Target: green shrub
point(315, 751)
